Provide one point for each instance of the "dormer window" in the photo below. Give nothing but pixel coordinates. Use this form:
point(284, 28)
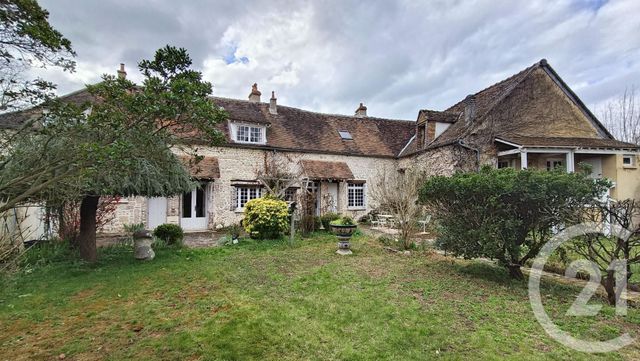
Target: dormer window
point(345, 135)
point(245, 133)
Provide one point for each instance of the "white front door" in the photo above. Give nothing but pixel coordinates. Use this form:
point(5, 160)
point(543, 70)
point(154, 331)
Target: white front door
point(332, 201)
point(156, 212)
point(194, 210)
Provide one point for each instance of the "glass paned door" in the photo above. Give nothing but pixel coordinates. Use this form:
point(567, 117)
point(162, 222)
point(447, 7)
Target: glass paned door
point(194, 209)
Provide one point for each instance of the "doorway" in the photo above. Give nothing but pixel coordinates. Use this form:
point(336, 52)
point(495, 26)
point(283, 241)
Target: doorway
point(156, 212)
point(194, 209)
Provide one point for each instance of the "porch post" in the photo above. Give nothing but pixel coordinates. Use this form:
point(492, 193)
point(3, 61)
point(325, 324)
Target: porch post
point(571, 167)
point(523, 159)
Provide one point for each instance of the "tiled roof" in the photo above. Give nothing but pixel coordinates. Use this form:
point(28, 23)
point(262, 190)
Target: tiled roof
point(566, 142)
point(206, 169)
point(438, 116)
point(301, 130)
point(293, 129)
point(316, 169)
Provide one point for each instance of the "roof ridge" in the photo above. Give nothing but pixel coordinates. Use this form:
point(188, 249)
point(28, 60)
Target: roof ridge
point(316, 112)
point(527, 69)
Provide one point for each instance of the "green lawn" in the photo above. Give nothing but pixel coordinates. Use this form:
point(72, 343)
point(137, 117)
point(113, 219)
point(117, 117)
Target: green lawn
point(270, 301)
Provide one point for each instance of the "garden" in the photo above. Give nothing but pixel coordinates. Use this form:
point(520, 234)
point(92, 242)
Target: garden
point(270, 300)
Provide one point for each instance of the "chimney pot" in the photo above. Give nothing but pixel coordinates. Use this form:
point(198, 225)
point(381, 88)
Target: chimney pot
point(469, 108)
point(122, 74)
point(273, 107)
point(255, 94)
point(361, 112)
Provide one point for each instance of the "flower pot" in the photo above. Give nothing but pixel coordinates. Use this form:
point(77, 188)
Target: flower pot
point(344, 234)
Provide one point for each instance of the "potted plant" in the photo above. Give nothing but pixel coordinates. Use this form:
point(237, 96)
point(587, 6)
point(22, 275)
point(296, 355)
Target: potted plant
point(343, 228)
point(142, 240)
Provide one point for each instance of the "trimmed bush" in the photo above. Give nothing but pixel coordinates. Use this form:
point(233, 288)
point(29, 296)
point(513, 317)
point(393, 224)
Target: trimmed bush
point(266, 217)
point(327, 218)
point(170, 233)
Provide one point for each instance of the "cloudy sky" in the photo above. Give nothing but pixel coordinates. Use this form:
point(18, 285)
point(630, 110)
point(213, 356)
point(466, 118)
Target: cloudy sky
point(396, 57)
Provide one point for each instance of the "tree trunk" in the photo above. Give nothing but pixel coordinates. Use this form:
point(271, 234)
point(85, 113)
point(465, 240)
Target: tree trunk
point(87, 236)
point(610, 287)
point(515, 271)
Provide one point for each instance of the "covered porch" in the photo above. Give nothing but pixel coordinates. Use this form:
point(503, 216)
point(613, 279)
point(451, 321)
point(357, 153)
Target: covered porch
point(563, 153)
point(327, 182)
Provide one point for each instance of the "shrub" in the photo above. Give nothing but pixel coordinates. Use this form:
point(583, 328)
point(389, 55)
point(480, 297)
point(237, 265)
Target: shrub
point(505, 214)
point(170, 233)
point(308, 223)
point(344, 221)
point(327, 218)
point(266, 217)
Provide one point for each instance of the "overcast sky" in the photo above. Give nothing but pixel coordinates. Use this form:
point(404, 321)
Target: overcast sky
point(330, 55)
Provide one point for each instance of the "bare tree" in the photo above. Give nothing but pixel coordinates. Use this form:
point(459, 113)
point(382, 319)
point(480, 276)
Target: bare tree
point(608, 247)
point(622, 116)
point(278, 173)
point(397, 193)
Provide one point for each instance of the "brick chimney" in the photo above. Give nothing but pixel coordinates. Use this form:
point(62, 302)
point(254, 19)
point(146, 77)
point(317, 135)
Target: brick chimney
point(273, 106)
point(361, 112)
point(254, 96)
point(469, 108)
point(121, 73)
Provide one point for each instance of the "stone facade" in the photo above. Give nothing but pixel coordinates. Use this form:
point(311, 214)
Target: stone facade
point(241, 164)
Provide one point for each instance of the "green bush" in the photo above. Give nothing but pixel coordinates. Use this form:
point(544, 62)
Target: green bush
point(506, 214)
point(170, 233)
point(344, 221)
point(327, 218)
point(266, 217)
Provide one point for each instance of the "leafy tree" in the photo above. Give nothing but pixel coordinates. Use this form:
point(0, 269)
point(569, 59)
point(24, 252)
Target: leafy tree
point(505, 214)
point(27, 40)
point(120, 144)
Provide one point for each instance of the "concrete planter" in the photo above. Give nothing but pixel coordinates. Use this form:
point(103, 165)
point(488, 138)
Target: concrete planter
point(142, 246)
point(344, 234)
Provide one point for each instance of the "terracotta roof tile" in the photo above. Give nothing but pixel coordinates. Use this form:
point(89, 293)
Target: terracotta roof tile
point(206, 169)
point(316, 169)
point(307, 131)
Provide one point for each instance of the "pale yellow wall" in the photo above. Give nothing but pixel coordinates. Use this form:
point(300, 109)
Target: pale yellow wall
point(627, 179)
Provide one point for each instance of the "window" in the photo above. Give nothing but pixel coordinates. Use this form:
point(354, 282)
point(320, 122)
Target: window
point(355, 195)
point(554, 163)
point(245, 194)
point(629, 161)
point(345, 135)
point(248, 134)
point(504, 164)
point(290, 194)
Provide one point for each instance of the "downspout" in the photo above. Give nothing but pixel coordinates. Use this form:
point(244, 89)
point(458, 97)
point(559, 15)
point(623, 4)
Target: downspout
point(464, 145)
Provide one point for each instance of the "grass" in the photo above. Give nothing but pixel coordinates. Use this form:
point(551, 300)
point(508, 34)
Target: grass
point(270, 301)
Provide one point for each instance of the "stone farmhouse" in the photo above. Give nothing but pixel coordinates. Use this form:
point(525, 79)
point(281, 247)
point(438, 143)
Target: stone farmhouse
point(530, 120)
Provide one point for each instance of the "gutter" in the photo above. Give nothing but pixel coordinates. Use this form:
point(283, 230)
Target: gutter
point(464, 145)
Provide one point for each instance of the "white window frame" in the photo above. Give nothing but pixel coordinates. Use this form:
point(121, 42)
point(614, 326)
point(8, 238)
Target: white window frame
point(562, 162)
point(250, 133)
point(353, 187)
point(632, 160)
point(252, 192)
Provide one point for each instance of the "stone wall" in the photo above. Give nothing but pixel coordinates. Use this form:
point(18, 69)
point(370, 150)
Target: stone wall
point(441, 161)
point(130, 210)
point(241, 164)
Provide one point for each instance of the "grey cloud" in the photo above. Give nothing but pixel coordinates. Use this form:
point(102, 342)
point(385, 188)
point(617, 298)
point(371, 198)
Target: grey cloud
point(398, 57)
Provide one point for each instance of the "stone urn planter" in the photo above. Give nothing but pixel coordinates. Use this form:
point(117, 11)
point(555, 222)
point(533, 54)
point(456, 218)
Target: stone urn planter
point(343, 228)
point(142, 241)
